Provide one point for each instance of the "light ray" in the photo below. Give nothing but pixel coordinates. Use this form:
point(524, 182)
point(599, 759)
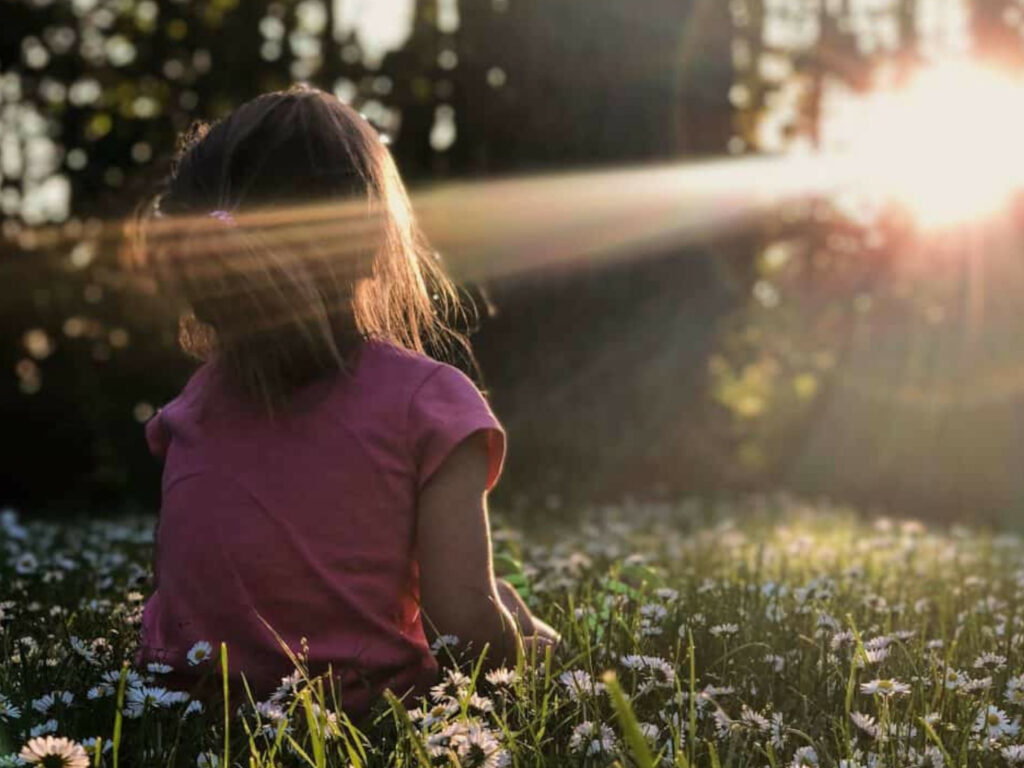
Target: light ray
point(512, 226)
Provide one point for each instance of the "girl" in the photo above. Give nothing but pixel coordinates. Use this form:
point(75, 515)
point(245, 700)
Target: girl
point(324, 481)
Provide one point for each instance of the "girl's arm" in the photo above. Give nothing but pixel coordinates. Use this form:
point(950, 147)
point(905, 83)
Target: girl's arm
point(458, 592)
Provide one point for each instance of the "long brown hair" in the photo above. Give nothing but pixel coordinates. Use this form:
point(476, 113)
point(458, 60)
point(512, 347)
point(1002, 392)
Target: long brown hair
point(288, 235)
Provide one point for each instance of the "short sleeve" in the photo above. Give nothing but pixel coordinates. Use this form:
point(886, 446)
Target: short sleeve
point(156, 435)
point(446, 409)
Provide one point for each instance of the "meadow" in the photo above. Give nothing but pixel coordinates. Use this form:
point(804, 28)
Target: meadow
point(762, 632)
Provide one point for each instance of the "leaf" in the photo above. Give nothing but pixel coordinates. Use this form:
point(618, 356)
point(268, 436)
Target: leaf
point(505, 566)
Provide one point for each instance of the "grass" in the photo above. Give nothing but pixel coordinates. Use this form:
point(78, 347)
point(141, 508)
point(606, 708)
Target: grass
point(774, 635)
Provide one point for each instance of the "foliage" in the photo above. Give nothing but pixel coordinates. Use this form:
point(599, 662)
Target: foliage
point(92, 94)
point(782, 635)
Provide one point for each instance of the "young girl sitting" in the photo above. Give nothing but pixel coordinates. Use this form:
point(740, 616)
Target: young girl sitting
point(324, 480)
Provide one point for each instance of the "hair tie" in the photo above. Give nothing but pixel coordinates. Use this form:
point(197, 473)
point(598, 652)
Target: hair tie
point(224, 216)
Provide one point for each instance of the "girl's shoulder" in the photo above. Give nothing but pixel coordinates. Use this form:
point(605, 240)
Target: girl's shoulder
point(197, 384)
point(440, 406)
point(402, 365)
point(157, 428)
point(417, 382)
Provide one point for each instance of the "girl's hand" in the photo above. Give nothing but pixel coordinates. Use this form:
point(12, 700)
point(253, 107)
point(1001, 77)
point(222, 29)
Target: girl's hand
point(535, 646)
point(545, 630)
point(536, 633)
point(515, 605)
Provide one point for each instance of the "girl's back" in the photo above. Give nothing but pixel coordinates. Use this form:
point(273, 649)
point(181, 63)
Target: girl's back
point(296, 507)
point(304, 526)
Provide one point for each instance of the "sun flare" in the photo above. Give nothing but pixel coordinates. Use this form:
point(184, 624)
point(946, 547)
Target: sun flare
point(944, 145)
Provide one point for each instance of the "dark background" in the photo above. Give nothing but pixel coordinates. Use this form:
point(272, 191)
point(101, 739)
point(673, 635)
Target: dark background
point(655, 375)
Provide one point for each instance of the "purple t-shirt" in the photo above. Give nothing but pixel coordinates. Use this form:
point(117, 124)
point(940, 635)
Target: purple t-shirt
point(305, 527)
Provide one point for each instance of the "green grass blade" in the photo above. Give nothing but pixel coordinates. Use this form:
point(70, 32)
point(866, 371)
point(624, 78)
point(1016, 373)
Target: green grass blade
point(315, 727)
point(118, 714)
point(628, 722)
point(410, 730)
point(928, 729)
point(227, 705)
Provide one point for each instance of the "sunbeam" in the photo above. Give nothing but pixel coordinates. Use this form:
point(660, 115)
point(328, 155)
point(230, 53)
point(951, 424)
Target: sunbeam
point(516, 225)
point(503, 227)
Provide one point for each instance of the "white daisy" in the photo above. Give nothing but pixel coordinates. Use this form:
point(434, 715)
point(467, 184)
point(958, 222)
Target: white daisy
point(199, 653)
point(660, 673)
point(805, 757)
point(138, 700)
point(875, 655)
point(289, 686)
point(841, 639)
point(723, 723)
point(755, 720)
point(502, 677)
point(438, 713)
point(443, 641)
point(1013, 754)
point(476, 747)
point(45, 703)
point(438, 744)
point(270, 710)
point(953, 679)
point(50, 726)
point(653, 611)
point(453, 687)
point(100, 691)
point(875, 643)
point(976, 685)
point(778, 731)
point(990, 661)
point(178, 697)
point(132, 678)
point(8, 711)
point(590, 738)
point(90, 745)
point(885, 687)
point(26, 564)
point(479, 705)
point(866, 723)
point(724, 630)
point(327, 722)
point(1015, 690)
point(650, 731)
point(79, 646)
point(580, 684)
point(993, 723)
point(54, 753)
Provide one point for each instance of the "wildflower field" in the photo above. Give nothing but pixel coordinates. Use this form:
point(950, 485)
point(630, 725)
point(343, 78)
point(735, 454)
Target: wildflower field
point(760, 633)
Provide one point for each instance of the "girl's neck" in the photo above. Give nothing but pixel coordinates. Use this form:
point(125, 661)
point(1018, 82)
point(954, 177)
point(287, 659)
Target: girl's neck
point(305, 390)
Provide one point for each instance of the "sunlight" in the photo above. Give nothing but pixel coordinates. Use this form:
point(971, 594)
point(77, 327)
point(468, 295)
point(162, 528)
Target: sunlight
point(941, 145)
point(509, 226)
